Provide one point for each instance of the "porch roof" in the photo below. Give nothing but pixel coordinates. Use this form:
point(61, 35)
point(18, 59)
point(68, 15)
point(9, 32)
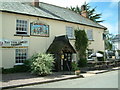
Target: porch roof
point(60, 43)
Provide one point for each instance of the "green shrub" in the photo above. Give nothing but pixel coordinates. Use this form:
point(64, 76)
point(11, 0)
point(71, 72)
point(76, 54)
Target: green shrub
point(6, 71)
point(20, 68)
point(75, 66)
point(42, 64)
point(82, 62)
point(15, 69)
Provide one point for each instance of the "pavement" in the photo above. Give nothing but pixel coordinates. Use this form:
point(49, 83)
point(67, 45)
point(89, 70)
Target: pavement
point(25, 79)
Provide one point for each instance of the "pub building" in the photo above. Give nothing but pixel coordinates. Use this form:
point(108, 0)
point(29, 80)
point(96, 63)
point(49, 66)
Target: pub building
point(36, 27)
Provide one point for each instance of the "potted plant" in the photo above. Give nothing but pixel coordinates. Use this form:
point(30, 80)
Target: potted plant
point(77, 72)
point(75, 68)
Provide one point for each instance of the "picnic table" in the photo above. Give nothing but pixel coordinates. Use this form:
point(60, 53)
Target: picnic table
point(101, 64)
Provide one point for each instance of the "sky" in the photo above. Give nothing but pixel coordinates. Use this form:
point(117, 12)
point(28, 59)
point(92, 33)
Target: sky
point(108, 8)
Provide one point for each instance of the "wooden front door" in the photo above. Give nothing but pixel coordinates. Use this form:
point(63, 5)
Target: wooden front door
point(67, 61)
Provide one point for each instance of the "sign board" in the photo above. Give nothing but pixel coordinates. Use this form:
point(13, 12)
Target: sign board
point(14, 43)
point(39, 29)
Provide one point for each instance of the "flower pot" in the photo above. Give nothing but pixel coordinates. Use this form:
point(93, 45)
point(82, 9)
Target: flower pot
point(77, 72)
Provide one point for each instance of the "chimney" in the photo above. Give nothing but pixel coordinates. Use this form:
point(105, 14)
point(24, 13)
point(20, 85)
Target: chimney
point(84, 12)
point(35, 3)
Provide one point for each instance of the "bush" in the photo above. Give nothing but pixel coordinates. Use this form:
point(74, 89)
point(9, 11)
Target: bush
point(15, 69)
point(75, 66)
point(42, 64)
point(82, 62)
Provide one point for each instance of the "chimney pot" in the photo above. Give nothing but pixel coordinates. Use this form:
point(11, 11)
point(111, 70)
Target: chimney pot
point(84, 12)
point(35, 3)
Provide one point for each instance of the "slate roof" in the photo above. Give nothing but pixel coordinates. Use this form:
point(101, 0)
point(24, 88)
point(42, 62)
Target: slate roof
point(47, 11)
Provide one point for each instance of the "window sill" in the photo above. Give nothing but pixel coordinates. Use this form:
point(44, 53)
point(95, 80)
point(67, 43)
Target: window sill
point(18, 64)
point(90, 40)
point(72, 38)
point(39, 36)
point(24, 35)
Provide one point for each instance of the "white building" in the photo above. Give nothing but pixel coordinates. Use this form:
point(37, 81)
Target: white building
point(116, 46)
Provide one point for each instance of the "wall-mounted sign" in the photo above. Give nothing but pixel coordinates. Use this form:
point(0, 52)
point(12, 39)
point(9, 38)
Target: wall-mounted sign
point(39, 29)
point(14, 43)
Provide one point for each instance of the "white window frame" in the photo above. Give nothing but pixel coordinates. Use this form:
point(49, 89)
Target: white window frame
point(21, 26)
point(90, 34)
point(70, 32)
point(20, 54)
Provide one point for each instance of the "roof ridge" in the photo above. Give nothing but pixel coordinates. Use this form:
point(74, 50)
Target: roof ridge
point(53, 5)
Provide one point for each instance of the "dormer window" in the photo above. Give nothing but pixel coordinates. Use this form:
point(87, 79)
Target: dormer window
point(21, 27)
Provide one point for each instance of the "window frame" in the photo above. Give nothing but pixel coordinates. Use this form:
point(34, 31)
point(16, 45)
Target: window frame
point(21, 27)
point(26, 56)
point(91, 34)
point(72, 31)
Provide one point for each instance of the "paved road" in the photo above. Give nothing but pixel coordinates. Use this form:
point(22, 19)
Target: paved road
point(103, 80)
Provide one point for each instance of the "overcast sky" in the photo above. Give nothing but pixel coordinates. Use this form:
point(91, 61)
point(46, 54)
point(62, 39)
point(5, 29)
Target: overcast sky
point(108, 8)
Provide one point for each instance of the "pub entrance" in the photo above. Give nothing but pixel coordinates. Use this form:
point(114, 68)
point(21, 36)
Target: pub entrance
point(62, 51)
point(66, 61)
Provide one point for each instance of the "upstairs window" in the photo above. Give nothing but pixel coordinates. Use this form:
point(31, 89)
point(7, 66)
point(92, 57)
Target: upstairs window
point(69, 32)
point(21, 26)
point(90, 34)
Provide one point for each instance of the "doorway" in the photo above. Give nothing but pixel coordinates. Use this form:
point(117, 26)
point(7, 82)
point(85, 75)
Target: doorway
point(67, 61)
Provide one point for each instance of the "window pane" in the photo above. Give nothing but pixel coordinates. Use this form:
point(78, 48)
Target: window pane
point(90, 34)
point(21, 55)
point(69, 32)
point(21, 27)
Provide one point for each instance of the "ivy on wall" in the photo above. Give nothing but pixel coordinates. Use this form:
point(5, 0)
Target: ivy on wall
point(81, 44)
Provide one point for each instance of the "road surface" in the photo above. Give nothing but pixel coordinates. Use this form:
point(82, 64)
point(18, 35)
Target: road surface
point(103, 80)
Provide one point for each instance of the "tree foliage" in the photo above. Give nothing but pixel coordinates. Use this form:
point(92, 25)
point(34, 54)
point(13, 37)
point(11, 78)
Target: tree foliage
point(92, 15)
point(108, 40)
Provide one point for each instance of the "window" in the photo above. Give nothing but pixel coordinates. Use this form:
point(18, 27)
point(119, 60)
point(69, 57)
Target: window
point(90, 34)
point(69, 32)
point(90, 51)
point(21, 55)
point(21, 27)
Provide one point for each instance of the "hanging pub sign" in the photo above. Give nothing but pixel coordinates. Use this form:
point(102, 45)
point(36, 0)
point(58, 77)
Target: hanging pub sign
point(14, 43)
point(39, 29)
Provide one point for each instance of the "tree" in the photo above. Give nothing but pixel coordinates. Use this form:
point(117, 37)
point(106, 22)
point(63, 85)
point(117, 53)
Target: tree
point(92, 15)
point(81, 44)
point(75, 9)
point(108, 40)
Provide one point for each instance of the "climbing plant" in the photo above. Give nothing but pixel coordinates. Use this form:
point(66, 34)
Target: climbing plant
point(81, 44)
